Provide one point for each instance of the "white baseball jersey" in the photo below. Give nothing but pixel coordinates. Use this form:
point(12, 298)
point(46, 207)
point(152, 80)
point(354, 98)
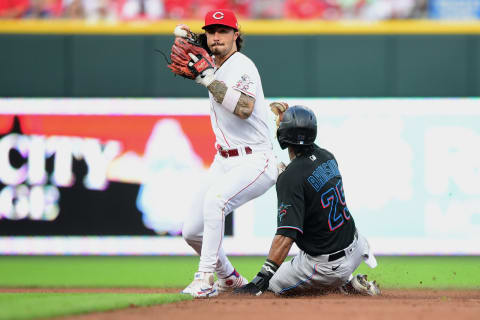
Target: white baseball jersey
point(239, 72)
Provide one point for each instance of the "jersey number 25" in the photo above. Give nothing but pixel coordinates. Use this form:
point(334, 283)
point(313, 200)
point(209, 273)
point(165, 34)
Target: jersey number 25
point(334, 198)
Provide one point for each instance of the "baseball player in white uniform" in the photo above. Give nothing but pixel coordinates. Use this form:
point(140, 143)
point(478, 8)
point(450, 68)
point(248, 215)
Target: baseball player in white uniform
point(244, 166)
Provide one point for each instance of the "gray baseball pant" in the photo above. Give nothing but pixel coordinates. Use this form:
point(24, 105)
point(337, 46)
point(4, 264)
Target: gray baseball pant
point(306, 274)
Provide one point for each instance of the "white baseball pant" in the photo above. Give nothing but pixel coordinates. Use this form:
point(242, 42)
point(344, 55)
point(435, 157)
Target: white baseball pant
point(231, 182)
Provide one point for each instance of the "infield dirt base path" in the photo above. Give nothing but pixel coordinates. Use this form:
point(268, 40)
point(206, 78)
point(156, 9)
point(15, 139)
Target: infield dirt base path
point(392, 304)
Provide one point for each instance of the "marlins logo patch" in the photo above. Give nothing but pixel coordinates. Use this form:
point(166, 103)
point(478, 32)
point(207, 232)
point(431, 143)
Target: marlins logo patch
point(282, 210)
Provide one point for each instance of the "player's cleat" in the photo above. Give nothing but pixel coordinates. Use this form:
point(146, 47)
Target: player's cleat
point(202, 286)
point(228, 284)
point(361, 285)
point(188, 289)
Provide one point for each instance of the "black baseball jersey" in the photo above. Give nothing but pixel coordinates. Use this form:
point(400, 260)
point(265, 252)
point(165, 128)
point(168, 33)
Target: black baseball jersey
point(311, 204)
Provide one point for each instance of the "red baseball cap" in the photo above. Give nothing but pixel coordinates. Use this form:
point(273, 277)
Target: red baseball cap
point(222, 17)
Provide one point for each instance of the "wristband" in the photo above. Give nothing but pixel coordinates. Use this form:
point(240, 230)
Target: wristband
point(269, 268)
point(206, 78)
point(231, 99)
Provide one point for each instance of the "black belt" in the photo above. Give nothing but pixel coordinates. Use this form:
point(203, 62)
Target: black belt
point(340, 254)
point(336, 256)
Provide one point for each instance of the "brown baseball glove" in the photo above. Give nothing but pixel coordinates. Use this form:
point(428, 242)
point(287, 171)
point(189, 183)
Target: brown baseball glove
point(183, 51)
point(278, 108)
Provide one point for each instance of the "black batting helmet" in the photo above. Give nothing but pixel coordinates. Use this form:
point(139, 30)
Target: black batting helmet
point(298, 127)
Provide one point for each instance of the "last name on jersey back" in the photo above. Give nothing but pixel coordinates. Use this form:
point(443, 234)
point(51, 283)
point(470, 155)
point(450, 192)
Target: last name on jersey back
point(311, 204)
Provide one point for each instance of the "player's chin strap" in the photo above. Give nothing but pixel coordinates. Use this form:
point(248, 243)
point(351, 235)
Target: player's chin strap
point(260, 283)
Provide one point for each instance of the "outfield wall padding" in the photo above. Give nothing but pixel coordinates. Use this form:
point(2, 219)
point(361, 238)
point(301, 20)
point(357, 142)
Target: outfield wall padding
point(322, 65)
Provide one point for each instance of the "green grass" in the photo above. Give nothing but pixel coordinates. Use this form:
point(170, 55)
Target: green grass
point(455, 272)
point(41, 305)
point(176, 272)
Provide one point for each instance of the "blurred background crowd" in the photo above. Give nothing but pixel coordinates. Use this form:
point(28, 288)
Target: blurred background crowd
point(116, 10)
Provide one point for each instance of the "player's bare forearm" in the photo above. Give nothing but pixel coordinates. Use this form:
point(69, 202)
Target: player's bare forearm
point(245, 103)
point(218, 90)
point(280, 248)
point(244, 106)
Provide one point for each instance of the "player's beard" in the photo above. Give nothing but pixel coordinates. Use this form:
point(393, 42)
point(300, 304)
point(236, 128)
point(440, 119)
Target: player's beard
point(222, 50)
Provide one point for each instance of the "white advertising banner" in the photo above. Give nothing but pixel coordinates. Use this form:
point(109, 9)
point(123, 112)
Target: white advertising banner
point(410, 168)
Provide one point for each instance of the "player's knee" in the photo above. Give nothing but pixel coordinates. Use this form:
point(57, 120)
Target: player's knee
point(185, 234)
point(189, 233)
point(192, 242)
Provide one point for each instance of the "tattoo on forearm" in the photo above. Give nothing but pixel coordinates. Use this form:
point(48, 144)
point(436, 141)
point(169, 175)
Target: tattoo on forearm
point(218, 90)
point(244, 105)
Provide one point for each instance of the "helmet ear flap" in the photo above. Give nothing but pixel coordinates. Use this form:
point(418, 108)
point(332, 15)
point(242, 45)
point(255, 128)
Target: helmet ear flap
point(282, 139)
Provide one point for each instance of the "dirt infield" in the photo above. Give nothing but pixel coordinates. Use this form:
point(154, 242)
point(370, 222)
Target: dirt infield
point(392, 304)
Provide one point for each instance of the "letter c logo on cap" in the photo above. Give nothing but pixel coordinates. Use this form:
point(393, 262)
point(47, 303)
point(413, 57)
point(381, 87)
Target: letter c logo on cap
point(218, 15)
